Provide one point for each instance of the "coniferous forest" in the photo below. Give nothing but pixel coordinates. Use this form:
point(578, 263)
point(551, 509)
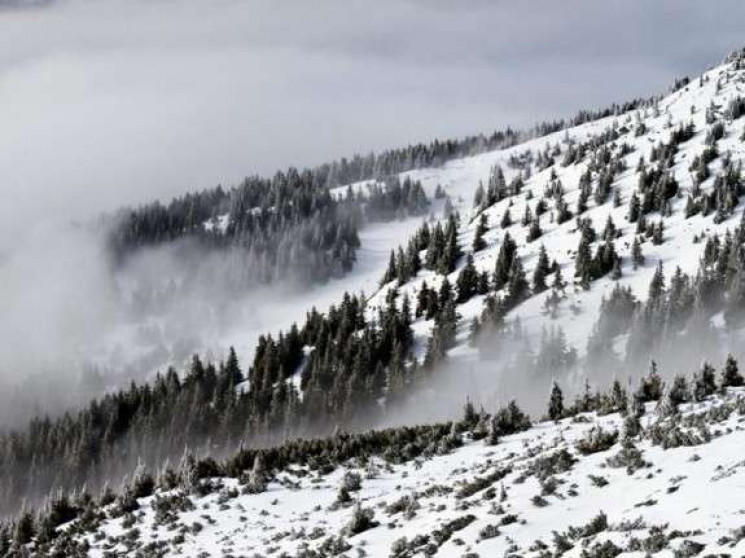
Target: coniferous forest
point(586, 228)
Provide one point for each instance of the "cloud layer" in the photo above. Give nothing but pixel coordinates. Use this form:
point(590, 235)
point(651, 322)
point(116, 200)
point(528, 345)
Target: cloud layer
point(113, 102)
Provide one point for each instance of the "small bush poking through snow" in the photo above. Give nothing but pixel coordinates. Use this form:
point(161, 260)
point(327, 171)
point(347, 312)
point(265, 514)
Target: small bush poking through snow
point(596, 440)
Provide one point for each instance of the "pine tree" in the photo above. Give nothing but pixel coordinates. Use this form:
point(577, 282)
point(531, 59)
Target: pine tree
point(517, 285)
point(583, 260)
point(651, 385)
point(656, 285)
point(609, 232)
point(634, 208)
point(527, 218)
point(24, 529)
point(704, 383)
point(506, 219)
point(232, 368)
point(390, 272)
point(619, 398)
point(468, 281)
point(435, 247)
point(534, 232)
point(504, 262)
point(731, 376)
point(637, 257)
point(258, 477)
point(556, 403)
point(679, 392)
point(362, 520)
point(479, 196)
point(481, 229)
point(445, 295)
point(541, 271)
point(451, 251)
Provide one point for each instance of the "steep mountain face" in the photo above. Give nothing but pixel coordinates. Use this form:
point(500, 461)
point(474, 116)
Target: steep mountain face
point(575, 257)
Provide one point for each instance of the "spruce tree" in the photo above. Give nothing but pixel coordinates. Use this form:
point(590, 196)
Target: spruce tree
point(637, 257)
point(541, 271)
point(504, 262)
point(651, 385)
point(534, 232)
point(634, 208)
point(731, 376)
point(506, 219)
point(656, 285)
point(390, 272)
point(527, 218)
point(517, 285)
point(556, 403)
point(704, 383)
point(468, 281)
point(481, 229)
point(583, 259)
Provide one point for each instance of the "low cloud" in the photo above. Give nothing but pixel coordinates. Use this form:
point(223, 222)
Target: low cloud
point(114, 102)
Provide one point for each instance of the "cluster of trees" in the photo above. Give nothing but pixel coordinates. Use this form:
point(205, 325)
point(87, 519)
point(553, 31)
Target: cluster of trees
point(287, 227)
point(436, 153)
point(725, 192)
point(343, 364)
point(496, 189)
point(589, 267)
point(442, 252)
point(675, 319)
point(340, 367)
point(253, 468)
point(394, 199)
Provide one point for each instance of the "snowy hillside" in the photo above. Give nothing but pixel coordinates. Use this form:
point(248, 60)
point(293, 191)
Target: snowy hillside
point(590, 485)
point(703, 113)
point(565, 262)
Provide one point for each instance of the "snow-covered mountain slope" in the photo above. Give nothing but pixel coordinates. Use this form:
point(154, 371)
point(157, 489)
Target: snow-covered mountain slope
point(664, 485)
point(585, 486)
point(702, 100)
point(636, 135)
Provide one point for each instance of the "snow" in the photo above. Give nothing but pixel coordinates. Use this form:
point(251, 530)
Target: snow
point(579, 310)
point(695, 490)
point(273, 313)
point(268, 312)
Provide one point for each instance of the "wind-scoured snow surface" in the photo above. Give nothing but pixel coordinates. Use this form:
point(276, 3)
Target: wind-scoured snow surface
point(673, 500)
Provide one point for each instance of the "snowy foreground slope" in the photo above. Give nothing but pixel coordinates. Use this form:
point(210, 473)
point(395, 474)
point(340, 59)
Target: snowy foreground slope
point(675, 489)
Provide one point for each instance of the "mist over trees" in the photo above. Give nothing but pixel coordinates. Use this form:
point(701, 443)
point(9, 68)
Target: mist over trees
point(354, 366)
point(291, 227)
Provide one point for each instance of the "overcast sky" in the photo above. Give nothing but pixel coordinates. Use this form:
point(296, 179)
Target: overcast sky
point(104, 102)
